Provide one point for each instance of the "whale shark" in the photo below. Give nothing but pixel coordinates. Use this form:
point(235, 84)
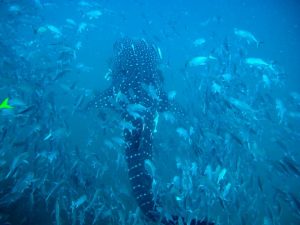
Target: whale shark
point(135, 65)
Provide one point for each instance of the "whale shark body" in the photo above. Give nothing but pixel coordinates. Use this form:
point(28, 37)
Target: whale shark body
point(134, 67)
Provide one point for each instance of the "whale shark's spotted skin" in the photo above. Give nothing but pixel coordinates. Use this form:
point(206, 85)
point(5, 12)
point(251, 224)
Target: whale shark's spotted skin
point(136, 92)
point(135, 67)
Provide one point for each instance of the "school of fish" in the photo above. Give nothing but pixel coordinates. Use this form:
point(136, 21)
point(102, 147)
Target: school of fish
point(224, 136)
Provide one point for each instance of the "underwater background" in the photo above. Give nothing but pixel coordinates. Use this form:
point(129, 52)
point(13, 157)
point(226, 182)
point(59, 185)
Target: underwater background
point(231, 66)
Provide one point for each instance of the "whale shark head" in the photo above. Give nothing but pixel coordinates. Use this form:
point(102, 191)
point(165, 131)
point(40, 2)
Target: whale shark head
point(134, 58)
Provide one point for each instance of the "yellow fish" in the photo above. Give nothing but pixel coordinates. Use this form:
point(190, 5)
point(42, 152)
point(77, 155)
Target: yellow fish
point(5, 105)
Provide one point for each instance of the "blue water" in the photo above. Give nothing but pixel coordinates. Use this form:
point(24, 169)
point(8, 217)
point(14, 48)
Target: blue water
point(231, 157)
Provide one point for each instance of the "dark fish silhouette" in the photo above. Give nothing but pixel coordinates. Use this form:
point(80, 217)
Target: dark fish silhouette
point(135, 66)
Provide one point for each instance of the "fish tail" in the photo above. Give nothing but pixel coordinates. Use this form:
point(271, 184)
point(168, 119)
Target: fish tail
point(259, 43)
point(5, 105)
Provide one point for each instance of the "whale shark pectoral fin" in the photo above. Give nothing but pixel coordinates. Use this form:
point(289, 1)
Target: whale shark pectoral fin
point(100, 100)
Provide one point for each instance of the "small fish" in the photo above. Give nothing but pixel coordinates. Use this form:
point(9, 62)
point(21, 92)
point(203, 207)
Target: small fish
point(295, 203)
point(26, 109)
point(16, 163)
point(108, 74)
point(256, 62)
point(281, 167)
point(109, 144)
point(57, 212)
point(135, 115)
point(148, 164)
point(61, 74)
point(295, 115)
point(93, 200)
point(296, 97)
point(159, 52)
point(292, 165)
point(5, 105)
point(56, 186)
point(2, 162)
point(151, 91)
point(82, 27)
point(41, 30)
point(215, 88)
point(48, 136)
point(227, 77)
point(172, 95)
point(156, 122)
point(236, 138)
point(267, 221)
point(179, 198)
point(249, 37)
point(169, 116)
point(221, 175)
point(78, 46)
point(23, 183)
point(14, 9)
point(199, 60)
point(79, 202)
point(135, 110)
point(198, 42)
point(38, 4)
point(118, 140)
point(54, 30)
point(281, 110)
point(260, 64)
point(208, 172)
point(84, 4)
point(226, 190)
point(260, 184)
point(194, 169)
point(266, 81)
point(176, 182)
point(71, 22)
point(94, 14)
point(182, 133)
point(78, 103)
point(243, 106)
point(127, 125)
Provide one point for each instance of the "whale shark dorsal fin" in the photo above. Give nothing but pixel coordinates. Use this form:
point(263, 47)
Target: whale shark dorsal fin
point(5, 105)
